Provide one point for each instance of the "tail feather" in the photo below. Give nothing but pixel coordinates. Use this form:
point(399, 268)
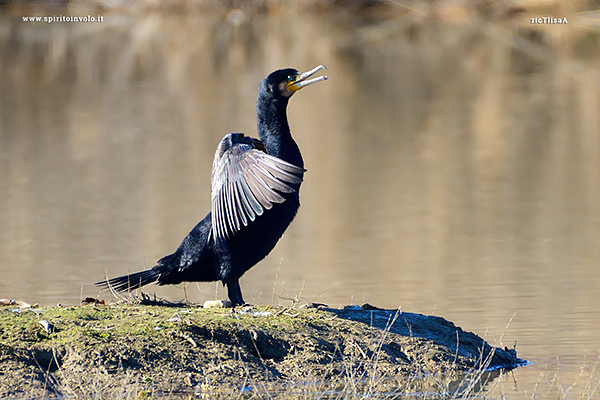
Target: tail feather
point(127, 283)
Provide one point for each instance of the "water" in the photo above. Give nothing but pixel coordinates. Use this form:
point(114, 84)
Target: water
point(452, 169)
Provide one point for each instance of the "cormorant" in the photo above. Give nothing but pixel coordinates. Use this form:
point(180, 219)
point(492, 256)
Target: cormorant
point(254, 198)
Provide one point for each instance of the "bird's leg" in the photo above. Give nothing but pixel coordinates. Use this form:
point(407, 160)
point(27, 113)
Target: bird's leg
point(185, 293)
point(235, 293)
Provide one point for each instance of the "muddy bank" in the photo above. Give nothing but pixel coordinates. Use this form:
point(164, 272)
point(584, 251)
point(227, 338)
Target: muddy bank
point(129, 349)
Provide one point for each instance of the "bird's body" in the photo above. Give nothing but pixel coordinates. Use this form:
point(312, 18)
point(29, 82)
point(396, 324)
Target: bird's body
point(254, 198)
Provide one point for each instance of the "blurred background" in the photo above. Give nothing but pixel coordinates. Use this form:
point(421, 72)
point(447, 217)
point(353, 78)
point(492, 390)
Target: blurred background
point(453, 158)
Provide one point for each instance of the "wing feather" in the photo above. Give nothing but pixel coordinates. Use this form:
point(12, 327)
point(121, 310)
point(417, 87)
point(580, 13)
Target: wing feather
point(231, 211)
point(270, 180)
point(246, 181)
point(280, 169)
point(248, 213)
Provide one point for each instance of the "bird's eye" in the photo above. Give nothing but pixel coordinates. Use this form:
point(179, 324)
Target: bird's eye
point(291, 78)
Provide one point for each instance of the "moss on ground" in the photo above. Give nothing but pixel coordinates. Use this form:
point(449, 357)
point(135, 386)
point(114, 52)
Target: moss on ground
point(91, 350)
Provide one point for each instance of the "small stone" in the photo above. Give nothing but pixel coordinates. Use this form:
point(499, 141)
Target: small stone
point(48, 327)
point(217, 304)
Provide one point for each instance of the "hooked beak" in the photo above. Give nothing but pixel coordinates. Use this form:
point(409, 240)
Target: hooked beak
point(301, 81)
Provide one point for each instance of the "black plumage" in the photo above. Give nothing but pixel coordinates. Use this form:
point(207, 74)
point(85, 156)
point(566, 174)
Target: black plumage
point(254, 198)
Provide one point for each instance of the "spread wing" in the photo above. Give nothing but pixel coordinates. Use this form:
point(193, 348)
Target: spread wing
point(245, 182)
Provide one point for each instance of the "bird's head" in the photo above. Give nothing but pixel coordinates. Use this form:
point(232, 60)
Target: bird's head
point(285, 82)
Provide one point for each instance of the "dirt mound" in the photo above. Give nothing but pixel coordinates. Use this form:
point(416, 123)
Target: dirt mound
point(95, 349)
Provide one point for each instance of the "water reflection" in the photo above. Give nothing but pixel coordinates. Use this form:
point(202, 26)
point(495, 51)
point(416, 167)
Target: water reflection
point(451, 169)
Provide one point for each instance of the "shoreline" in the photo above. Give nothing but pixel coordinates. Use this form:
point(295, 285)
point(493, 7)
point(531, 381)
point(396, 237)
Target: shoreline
point(97, 348)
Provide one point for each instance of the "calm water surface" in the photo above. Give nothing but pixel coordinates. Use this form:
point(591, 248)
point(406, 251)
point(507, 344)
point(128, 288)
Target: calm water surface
point(452, 170)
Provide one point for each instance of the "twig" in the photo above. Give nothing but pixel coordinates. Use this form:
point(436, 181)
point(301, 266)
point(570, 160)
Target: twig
point(506, 329)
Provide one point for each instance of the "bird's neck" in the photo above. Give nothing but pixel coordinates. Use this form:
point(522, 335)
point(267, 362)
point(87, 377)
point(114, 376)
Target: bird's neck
point(274, 130)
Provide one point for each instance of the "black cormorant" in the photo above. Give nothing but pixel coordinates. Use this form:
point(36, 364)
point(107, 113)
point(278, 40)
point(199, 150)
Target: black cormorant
point(254, 198)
